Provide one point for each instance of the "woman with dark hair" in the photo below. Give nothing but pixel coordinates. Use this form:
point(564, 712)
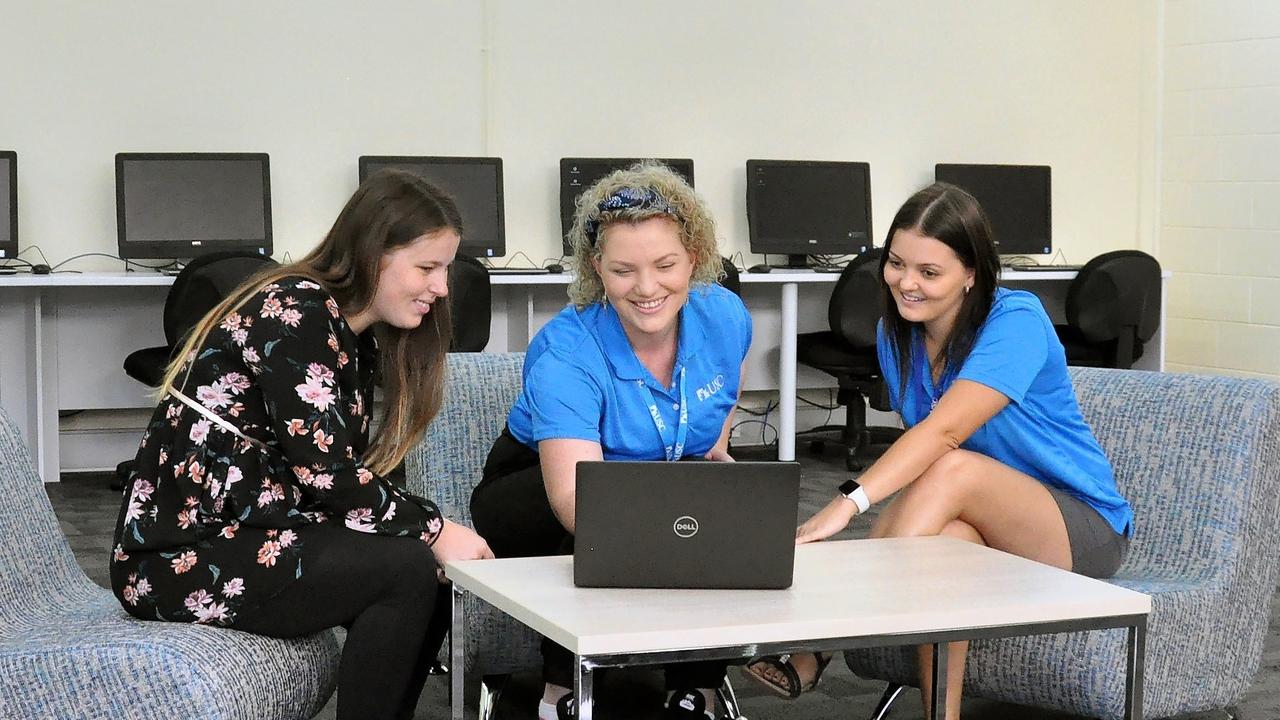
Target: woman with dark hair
point(996, 451)
point(259, 502)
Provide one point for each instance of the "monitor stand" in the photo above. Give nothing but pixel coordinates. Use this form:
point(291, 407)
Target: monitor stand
point(794, 262)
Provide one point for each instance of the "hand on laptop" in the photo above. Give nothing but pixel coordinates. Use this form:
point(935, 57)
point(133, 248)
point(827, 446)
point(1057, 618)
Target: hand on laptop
point(459, 542)
point(827, 522)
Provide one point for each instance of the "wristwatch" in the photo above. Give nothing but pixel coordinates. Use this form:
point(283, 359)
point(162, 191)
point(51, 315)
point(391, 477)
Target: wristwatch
point(853, 491)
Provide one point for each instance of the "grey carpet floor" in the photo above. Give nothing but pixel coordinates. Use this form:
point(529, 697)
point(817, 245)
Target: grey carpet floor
point(87, 511)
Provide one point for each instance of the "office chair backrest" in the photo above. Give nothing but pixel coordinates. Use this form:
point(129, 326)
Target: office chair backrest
point(1116, 296)
point(854, 309)
point(470, 304)
point(202, 284)
point(730, 279)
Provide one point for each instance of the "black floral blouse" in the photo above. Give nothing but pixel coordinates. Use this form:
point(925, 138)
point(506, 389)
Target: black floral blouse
point(213, 522)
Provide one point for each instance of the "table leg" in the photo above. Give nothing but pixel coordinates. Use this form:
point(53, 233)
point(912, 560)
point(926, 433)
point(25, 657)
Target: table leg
point(938, 698)
point(457, 663)
point(1133, 677)
point(787, 372)
point(582, 688)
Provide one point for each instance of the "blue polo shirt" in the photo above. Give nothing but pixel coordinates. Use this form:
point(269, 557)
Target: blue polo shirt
point(1041, 431)
point(583, 381)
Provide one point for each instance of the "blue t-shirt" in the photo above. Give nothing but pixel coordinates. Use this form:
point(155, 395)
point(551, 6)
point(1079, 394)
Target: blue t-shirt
point(1041, 431)
point(583, 381)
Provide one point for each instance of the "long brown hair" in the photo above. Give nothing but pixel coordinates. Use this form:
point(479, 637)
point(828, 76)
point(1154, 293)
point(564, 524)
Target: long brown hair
point(392, 208)
point(953, 216)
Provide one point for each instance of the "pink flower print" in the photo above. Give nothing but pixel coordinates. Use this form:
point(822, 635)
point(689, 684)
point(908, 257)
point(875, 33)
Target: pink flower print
point(364, 476)
point(271, 307)
point(315, 394)
point(164, 456)
point(321, 440)
point(238, 382)
point(333, 342)
point(332, 306)
point(130, 595)
point(360, 520)
point(287, 537)
point(273, 533)
point(118, 554)
point(214, 396)
point(229, 531)
point(234, 475)
point(342, 359)
point(196, 473)
point(320, 372)
point(390, 513)
point(172, 412)
point(307, 285)
point(322, 481)
point(180, 468)
point(197, 599)
point(425, 537)
point(240, 337)
point(142, 490)
point(230, 322)
point(213, 612)
point(183, 562)
point(303, 473)
point(144, 587)
point(434, 525)
point(271, 492)
point(199, 431)
point(296, 427)
point(235, 409)
point(140, 494)
point(250, 356)
point(291, 317)
point(268, 553)
point(290, 301)
point(187, 518)
point(233, 587)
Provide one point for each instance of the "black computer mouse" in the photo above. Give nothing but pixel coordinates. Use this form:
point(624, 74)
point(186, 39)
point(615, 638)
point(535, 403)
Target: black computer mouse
point(555, 268)
point(759, 269)
point(41, 269)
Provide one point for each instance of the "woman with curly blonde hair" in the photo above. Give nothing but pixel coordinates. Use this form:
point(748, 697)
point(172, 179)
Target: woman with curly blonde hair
point(645, 364)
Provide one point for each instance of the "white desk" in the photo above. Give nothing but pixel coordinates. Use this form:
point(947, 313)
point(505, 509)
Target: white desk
point(855, 593)
point(106, 315)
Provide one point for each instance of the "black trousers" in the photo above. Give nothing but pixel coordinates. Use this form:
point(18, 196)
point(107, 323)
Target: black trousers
point(384, 591)
point(510, 510)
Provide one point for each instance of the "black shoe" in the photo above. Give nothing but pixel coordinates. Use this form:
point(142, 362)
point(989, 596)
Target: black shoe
point(567, 708)
point(686, 704)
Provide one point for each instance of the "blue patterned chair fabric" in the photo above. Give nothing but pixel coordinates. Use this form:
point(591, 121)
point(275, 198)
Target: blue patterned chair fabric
point(479, 391)
point(67, 649)
point(1199, 459)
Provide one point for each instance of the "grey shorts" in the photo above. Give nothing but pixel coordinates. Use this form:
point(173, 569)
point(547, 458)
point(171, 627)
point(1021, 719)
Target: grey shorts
point(1096, 549)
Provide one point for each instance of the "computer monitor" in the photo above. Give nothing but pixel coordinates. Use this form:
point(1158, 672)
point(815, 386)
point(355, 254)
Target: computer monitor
point(1016, 199)
point(578, 174)
point(799, 208)
point(8, 204)
point(180, 205)
point(474, 182)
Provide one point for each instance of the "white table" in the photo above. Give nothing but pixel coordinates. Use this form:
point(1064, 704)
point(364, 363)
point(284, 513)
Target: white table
point(855, 593)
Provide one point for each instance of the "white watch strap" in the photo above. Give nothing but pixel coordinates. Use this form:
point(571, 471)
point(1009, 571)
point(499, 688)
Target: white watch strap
point(859, 498)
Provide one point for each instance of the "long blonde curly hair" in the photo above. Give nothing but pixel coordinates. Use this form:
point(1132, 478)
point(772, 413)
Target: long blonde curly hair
point(697, 228)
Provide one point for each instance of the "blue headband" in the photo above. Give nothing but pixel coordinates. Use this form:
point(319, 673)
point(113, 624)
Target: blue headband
point(628, 199)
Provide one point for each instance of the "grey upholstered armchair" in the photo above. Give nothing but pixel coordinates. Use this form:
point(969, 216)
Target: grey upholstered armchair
point(67, 649)
point(1198, 457)
point(445, 466)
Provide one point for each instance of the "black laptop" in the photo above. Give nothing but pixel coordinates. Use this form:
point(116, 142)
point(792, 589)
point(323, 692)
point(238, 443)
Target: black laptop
point(686, 524)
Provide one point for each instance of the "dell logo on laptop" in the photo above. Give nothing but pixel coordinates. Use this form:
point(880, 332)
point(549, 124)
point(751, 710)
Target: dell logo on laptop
point(685, 526)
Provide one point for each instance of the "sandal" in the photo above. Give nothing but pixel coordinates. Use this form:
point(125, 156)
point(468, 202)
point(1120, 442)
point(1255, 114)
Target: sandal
point(791, 687)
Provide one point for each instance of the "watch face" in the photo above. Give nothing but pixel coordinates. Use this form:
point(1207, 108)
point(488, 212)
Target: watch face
point(849, 486)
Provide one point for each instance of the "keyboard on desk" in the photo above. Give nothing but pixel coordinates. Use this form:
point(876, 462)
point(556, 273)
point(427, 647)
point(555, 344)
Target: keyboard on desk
point(1043, 268)
point(517, 270)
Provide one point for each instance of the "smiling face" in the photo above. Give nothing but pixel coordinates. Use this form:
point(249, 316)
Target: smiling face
point(645, 270)
point(927, 279)
point(411, 278)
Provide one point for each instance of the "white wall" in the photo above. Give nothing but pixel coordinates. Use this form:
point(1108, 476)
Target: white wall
point(1220, 201)
point(899, 84)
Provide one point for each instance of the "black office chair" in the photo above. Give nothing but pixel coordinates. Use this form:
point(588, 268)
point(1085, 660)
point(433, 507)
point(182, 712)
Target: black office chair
point(202, 284)
point(470, 304)
point(848, 352)
point(731, 279)
point(1113, 309)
